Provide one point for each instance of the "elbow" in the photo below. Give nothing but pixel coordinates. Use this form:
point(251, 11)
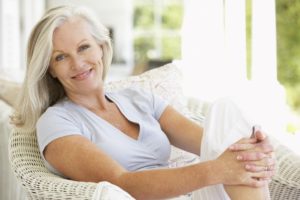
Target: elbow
point(128, 182)
point(124, 181)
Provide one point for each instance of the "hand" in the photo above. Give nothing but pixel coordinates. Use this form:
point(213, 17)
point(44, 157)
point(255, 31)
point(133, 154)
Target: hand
point(233, 171)
point(257, 153)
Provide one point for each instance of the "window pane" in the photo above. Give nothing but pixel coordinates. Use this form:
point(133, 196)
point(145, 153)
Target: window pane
point(143, 16)
point(171, 47)
point(172, 16)
point(142, 47)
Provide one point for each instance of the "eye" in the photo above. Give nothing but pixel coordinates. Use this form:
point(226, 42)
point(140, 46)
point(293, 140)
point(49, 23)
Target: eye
point(59, 57)
point(83, 47)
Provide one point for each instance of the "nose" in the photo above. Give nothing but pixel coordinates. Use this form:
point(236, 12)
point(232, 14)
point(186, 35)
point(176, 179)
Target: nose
point(76, 63)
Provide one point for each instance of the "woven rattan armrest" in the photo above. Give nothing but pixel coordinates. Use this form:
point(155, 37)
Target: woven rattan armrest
point(286, 182)
point(39, 183)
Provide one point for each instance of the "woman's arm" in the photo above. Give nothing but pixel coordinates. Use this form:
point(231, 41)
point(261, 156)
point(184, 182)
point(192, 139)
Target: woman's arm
point(181, 131)
point(79, 159)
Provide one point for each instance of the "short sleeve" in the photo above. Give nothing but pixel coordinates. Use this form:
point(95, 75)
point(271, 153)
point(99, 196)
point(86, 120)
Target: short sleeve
point(159, 105)
point(156, 103)
point(56, 122)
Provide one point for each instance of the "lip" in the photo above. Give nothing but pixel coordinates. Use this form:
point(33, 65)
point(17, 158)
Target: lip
point(82, 75)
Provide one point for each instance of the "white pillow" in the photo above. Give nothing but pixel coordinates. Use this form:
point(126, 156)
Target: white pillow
point(9, 90)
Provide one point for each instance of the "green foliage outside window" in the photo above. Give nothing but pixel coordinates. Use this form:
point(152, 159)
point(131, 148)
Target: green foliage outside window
point(288, 48)
point(157, 30)
point(142, 45)
point(143, 17)
point(172, 16)
point(171, 48)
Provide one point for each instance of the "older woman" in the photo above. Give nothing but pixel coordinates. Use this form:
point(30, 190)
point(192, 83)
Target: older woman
point(88, 134)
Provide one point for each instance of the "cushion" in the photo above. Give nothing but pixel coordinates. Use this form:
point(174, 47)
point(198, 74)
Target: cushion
point(9, 90)
point(165, 81)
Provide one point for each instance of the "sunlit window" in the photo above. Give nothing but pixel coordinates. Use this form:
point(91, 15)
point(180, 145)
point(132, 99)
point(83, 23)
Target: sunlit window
point(157, 25)
point(288, 50)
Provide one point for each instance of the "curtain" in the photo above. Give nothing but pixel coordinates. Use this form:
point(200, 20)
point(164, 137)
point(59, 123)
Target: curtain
point(214, 57)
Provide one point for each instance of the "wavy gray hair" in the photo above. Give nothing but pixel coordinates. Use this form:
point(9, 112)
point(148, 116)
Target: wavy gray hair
point(40, 90)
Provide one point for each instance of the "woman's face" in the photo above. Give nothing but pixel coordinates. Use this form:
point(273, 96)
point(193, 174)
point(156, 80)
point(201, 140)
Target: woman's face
point(76, 59)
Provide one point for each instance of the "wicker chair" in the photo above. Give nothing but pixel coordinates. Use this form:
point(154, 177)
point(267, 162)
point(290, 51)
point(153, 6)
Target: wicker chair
point(39, 183)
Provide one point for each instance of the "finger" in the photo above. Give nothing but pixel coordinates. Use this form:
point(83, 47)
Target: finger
point(259, 168)
point(267, 179)
point(263, 174)
point(251, 156)
point(259, 135)
point(254, 129)
point(261, 147)
point(255, 168)
point(246, 141)
point(254, 182)
point(266, 147)
point(268, 161)
point(242, 147)
point(236, 146)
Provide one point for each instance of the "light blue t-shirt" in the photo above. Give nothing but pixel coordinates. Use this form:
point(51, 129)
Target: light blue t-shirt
point(151, 149)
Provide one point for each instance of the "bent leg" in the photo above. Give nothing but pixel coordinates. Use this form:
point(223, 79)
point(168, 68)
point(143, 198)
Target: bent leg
point(247, 193)
point(224, 125)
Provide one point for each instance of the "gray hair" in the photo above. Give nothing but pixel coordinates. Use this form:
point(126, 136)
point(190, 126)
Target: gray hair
point(40, 90)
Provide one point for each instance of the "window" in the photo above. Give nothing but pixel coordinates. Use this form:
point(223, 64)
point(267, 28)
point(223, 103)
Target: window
point(157, 25)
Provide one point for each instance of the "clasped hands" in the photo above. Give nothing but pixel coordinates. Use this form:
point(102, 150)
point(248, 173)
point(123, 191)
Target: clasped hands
point(250, 161)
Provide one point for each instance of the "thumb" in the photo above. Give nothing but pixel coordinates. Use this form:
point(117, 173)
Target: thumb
point(259, 135)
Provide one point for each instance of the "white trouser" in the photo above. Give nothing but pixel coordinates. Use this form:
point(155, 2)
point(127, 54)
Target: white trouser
point(224, 125)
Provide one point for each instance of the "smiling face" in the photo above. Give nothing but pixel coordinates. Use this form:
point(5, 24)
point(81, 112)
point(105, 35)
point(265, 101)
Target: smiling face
point(76, 60)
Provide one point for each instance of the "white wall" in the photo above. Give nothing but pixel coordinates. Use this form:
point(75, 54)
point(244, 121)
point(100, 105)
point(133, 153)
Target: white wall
point(116, 14)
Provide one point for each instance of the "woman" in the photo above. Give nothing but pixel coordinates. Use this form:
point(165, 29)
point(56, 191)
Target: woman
point(87, 134)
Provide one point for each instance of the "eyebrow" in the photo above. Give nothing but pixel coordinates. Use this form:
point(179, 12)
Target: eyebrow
point(61, 51)
point(81, 41)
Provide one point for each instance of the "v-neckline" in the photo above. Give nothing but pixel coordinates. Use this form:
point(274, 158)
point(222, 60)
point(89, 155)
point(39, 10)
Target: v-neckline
point(123, 112)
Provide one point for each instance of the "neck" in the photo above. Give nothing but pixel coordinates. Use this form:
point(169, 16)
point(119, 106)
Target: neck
point(93, 100)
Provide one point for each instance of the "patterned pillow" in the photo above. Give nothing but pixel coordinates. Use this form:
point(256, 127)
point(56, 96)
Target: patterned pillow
point(165, 81)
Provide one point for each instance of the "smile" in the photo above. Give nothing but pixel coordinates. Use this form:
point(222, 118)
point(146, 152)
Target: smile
point(82, 75)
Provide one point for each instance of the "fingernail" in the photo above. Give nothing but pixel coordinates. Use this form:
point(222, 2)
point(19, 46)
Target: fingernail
point(232, 147)
point(239, 157)
point(247, 166)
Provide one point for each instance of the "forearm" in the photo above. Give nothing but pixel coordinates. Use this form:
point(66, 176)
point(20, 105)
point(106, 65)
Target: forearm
point(166, 183)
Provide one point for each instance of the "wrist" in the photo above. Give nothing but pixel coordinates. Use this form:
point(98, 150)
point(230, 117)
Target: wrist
point(214, 172)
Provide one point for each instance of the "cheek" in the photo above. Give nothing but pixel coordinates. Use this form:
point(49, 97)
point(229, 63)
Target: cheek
point(58, 72)
point(97, 55)
point(97, 58)
point(52, 72)
point(98, 52)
